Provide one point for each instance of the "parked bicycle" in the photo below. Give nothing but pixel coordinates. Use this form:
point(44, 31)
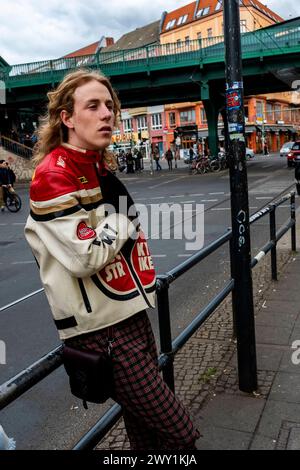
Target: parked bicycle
point(11, 199)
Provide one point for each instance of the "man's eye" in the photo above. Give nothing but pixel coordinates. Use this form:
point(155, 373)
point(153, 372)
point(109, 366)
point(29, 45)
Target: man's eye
point(92, 106)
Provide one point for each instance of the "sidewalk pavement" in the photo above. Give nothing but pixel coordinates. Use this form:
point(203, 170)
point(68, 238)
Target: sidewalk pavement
point(268, 419)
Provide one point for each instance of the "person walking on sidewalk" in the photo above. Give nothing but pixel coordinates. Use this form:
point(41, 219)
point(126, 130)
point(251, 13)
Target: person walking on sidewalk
point(169, 158)
point(94, 259)
point(156, 157)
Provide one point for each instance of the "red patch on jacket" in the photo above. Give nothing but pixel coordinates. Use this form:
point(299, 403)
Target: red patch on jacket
point(84, 232)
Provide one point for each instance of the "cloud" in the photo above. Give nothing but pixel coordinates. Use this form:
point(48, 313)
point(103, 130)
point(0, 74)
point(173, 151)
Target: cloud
point(35, 30)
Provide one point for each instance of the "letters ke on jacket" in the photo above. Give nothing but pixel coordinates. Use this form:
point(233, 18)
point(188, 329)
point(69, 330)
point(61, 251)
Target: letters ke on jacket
point(93, 277)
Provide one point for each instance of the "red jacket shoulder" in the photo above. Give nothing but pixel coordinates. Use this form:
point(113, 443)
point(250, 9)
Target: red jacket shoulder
point(52, 177)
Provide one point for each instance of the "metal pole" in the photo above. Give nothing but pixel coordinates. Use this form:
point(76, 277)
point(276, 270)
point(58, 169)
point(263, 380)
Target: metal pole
point(273, 239)
point(241, 256)
point(293, 217)
point(165, 328)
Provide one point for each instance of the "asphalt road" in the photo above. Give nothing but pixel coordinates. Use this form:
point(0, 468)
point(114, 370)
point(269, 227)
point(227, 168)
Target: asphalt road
point(48, 416)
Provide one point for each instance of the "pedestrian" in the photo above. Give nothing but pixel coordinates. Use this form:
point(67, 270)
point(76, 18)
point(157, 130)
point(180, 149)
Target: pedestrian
point(266, 151)
point(177, 156)
point(5, 182)
point(156, 157)
point(129, 162)
point(94, 260)
point(11, 174)
point(169, 158)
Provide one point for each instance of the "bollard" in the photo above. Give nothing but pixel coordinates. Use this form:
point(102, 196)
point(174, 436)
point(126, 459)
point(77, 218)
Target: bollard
point(293, 217)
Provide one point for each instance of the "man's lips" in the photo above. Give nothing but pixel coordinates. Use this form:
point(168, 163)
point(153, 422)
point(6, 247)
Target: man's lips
point(105, 129)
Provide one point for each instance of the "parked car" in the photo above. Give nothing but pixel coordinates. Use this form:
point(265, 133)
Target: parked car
point(249, 153)
point(293, 153)
point(286, 148)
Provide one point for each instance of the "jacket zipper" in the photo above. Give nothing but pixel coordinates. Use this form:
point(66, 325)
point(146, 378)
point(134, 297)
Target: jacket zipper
point(84, 296)
point(137, 281)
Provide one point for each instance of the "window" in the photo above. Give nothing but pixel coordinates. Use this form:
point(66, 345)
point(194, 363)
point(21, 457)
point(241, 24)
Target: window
point(209, 32)
point(127, 125)
point(203, 115)
point(202, 12)
point(172, 119)
point(270, 112)
point(259, 109)
point(187, 116)
point(218, 5)
point(156, 121)
point(243, 26)
point(199, 35)
point(277, 109)
point(142, 123)
point(170, 24)
point(182, 20)
point(187, 40)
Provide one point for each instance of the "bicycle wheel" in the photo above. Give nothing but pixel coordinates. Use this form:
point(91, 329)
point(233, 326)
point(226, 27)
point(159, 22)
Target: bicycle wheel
point(13, 202)
point(215, 165)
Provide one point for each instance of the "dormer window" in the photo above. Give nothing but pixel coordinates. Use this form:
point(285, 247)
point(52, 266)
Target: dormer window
point(218, 5)
point(170, 24)
point(182, 19)
point(202, 12)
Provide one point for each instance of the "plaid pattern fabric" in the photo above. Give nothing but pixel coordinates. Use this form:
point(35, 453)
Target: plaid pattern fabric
point(153, 416)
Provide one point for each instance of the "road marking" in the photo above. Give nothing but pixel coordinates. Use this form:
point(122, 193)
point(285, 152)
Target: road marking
point(182, 195)
point(22, 262)
point(184, 255)
point(215, 194)
point(185, 202)
point(221, 209)
point(263, 197)
point(158, 256)
point(209, 200)
point(200, 194)
point(166, 182)
point(158, 197)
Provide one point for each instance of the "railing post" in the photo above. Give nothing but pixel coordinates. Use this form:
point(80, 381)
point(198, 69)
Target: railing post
point(165, 328)
point(273, 239)
point(293, 217)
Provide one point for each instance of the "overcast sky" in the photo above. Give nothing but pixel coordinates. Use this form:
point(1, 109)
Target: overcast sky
point(32, 30)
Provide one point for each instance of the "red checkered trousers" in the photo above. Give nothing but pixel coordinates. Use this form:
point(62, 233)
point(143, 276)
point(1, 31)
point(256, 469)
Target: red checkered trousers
point(153, 416)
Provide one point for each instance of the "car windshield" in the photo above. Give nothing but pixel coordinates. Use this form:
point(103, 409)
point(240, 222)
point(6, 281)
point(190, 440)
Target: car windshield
point(296, 146)
point(288, 145)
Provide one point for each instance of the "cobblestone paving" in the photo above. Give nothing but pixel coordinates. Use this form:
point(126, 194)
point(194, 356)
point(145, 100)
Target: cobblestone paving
point(203, 367)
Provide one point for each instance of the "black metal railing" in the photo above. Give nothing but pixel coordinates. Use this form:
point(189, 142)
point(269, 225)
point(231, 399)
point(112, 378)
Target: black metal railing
point(26, 379)
point(16, 147)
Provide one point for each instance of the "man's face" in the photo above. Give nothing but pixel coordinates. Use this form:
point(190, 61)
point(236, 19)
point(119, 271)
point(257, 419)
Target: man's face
point(91, 124)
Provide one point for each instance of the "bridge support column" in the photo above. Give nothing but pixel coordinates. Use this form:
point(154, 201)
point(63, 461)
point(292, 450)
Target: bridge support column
point(212, 108)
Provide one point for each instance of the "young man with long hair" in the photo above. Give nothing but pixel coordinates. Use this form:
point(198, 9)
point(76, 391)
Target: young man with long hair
point(94, 260)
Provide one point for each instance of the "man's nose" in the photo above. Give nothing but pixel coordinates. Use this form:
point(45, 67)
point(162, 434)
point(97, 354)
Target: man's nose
point(105, 112)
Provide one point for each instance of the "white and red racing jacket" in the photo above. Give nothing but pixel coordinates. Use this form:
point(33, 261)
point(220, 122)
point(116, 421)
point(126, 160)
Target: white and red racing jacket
point(94, 261)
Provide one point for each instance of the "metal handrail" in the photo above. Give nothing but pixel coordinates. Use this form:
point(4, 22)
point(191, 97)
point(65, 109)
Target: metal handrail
point(278, 39)
point(26, 379)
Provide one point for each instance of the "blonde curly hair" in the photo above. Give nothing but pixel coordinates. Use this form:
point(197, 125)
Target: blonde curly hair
point(52, 132)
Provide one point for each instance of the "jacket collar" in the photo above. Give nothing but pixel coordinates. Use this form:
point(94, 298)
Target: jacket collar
point(82, 155)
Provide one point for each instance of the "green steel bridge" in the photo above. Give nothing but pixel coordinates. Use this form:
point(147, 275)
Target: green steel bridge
point(161, 74)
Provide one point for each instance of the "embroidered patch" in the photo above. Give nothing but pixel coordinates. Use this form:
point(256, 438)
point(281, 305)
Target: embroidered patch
point(84, 232)
point(83, 179)
point(61, 162)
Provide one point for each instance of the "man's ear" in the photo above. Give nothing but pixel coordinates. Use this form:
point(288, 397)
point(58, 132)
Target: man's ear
point(66, 119)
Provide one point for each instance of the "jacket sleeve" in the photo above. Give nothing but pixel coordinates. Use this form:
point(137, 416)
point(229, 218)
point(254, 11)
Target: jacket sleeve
point(61, 226)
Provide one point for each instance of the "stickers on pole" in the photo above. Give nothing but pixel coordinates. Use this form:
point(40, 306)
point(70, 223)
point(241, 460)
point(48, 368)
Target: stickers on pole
point(234, 102)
